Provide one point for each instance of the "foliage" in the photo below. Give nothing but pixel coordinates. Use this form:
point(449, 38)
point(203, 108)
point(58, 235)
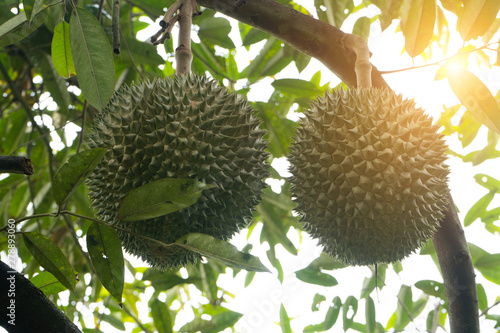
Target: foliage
point(43, 47)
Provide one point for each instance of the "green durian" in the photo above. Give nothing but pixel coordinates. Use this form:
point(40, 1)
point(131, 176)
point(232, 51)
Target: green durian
point(368, 175)
point(179, 127)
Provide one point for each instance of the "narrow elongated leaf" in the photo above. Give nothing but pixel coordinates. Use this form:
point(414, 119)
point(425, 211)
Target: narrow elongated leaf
point(316, 277)
point(162, 317)
point(488, 182)
point(216, 31)
point(18, 27)
point(297, 87)
point(163, 281)
point(55, 84)
point(50, 257)
point(47, 283)
point(317, 299)
point(482, 297)
point(477, 17)
point(362, 27)
point(217, 324)
point(28, 6)
point(433, 288)
point(159, 198)
point(220, 250)
point(476, 97)
point(349, 309)
point(478, 209)
point(284, 320)
point(93, 58)
point(105, 250)
point(62, 58)
point(330, 319)
point(74, 172)
point(370, 315)
point(417, 22)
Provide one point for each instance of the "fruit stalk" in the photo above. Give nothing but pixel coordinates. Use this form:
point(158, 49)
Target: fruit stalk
point(183, 54)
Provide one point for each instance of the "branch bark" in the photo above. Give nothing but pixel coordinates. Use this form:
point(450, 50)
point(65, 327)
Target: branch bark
point(31, 310)
point(324, 42)
point(16, 164)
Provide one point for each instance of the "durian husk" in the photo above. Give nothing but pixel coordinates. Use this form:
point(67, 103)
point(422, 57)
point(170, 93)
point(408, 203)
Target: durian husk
point(179, 127)
point(369, 175)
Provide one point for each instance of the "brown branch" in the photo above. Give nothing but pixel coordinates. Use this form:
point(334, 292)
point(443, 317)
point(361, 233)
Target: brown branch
point(304, 33)
point(323, 42)
point(16, 164)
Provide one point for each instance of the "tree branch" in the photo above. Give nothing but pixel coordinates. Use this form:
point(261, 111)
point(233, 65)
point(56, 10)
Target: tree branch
point(458, 273)
point(304, 33)
point(324, 42)
point(30, 309)
point(16, 164)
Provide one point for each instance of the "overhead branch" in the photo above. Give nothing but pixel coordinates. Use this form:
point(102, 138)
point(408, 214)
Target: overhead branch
point(16, 164)
point(306, 34)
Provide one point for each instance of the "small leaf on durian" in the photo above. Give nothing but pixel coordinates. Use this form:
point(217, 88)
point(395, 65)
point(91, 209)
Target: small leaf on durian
point(74, 172)
point(316, 277)
point(159, 198)
point(220, 250)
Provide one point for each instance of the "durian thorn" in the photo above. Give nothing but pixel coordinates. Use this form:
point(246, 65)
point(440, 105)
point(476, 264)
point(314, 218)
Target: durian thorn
point(362, 66)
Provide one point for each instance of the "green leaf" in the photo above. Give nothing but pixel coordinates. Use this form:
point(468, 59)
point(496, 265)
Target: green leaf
point(477, 17)
point(55, 84)
point(316, 277)
point(93, 58)
point(476, 97)
point(317, 299)
point(18, 27)
point(50, 257)
point(330, 319)
point(284, 320)
point(251, 35)
point(113, 320)
point(405, 303)
point(297, 87)
point(220, 250)
point(433, 288)
point(488, 182)
point(370, 315)
point(28, 7)
point(62, 58)
point(482, 297)
point(47, 283)
point(105, 250)
point(159, 198)
point(489, 266)
point(478, 209)
point(163, 281)
point(417, 23)
point(362, 27)
point(74, 172)
point(216, 31)
point(369, 283)
point(349, 309)
point(162, 316)
point(217, 324)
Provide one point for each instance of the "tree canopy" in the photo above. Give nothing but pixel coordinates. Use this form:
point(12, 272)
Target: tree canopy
point(62, 61)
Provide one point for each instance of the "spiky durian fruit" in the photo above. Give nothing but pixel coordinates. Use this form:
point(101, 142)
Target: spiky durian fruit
point(179, 127)
point(369, 176)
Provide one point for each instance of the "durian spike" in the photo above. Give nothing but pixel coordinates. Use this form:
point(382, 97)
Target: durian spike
point(363, 67)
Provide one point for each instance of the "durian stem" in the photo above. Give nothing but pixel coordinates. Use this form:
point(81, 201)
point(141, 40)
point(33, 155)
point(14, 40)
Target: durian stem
point(362, 67)
point(183, 54)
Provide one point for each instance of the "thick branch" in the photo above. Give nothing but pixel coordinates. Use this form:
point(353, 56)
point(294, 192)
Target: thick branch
point(304, 33)
point(16, 164)
point(458, 273)
point(27, 307)
point(323, 42)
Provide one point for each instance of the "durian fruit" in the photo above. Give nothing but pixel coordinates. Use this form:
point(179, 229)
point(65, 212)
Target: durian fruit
point(179, 127)
point(368, 175)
